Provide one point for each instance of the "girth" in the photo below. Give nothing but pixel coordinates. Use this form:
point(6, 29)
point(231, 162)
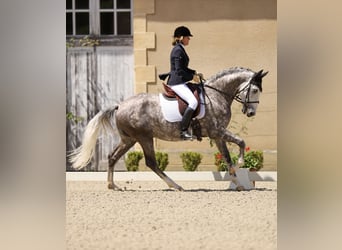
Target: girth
point(182, 104)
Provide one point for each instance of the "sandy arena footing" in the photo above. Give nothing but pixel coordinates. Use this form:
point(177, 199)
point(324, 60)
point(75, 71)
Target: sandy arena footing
point(148, 215)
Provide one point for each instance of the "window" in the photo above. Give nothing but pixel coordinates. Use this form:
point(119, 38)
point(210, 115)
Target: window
point(98, 17)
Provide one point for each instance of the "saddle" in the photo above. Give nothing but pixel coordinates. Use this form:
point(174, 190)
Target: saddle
point(182, 104)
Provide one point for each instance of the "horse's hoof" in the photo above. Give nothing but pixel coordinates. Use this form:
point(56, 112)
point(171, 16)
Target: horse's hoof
point(113, 187)
point(177, 188)
point(240, 188)
point(232, 171)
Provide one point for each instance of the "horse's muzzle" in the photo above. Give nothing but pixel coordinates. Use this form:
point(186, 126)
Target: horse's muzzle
point(251, 113)
point(248, 111)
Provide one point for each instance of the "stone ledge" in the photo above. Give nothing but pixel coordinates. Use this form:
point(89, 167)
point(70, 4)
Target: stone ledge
point(175, 175)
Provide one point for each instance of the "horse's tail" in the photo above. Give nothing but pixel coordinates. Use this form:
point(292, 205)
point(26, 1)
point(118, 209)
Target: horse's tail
point(82, 155)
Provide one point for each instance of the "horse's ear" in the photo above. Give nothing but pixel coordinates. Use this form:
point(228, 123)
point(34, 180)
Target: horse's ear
point(258, 78)
point(258, 74)
point(263, 74)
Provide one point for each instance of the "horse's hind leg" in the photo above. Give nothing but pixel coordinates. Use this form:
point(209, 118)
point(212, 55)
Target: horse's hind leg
point(119, 151)
point(222, 147)
point(150, 159)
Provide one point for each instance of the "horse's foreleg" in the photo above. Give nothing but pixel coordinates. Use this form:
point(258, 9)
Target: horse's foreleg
point(119, 151)
point(150, 159)
point(222, 147)
point(230, 137)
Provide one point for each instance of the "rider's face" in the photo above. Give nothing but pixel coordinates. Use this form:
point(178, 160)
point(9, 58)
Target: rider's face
point(186, 40)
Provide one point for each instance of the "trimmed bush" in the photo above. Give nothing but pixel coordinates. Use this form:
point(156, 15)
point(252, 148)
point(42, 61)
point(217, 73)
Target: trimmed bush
point(191, 160)
point(132, 160)
point(162, 160)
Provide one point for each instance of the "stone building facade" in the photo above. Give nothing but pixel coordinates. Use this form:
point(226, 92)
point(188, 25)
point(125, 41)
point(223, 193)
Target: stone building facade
point(226, 34)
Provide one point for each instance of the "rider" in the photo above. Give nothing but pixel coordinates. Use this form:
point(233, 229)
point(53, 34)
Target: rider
point(180, 74)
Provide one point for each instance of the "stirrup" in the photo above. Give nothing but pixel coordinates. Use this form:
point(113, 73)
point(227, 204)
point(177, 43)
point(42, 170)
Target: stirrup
point(186, 136)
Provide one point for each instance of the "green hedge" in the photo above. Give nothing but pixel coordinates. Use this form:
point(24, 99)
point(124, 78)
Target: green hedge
point(191, 160)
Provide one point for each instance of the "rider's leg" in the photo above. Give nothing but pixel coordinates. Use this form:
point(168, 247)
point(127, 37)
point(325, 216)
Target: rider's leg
point(185, 124)
point(185, 93)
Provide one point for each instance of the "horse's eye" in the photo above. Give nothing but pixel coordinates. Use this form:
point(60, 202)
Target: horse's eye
point(255, 91)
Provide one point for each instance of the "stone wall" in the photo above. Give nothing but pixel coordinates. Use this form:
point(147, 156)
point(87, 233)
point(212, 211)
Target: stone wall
point(226, 34)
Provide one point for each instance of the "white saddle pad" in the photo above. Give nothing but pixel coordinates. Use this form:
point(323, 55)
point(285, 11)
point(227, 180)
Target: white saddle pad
point(170, 110)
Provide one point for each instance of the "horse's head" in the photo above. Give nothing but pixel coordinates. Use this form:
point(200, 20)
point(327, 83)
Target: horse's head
point(249, 92)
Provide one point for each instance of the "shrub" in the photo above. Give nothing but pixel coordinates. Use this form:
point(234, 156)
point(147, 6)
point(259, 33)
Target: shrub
point(132, 160)
point(162, 160)
point(191, 160)
point(254, 160)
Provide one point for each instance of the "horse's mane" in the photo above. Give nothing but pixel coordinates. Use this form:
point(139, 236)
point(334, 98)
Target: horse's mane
point(229, 71)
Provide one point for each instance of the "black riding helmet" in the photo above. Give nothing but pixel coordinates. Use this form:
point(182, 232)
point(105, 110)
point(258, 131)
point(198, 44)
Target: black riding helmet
point(182, 31)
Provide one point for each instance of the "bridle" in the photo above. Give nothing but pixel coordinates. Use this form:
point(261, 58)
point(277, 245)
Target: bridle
point(246, 101)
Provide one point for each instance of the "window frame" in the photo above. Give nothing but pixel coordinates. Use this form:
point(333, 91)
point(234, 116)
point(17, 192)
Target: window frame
point(94, 21)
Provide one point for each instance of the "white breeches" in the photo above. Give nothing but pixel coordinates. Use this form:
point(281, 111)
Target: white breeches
point(185, 93)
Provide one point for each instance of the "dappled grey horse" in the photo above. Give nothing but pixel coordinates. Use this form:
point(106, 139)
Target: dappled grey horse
point(141, 118)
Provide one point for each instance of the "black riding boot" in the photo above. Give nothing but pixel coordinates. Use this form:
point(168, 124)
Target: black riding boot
point(185, 124)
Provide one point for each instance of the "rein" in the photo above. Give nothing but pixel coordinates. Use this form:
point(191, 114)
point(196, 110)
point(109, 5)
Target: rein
point(236, 97)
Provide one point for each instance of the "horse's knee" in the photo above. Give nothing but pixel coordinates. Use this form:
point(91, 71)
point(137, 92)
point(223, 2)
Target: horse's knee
point(242, 144)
